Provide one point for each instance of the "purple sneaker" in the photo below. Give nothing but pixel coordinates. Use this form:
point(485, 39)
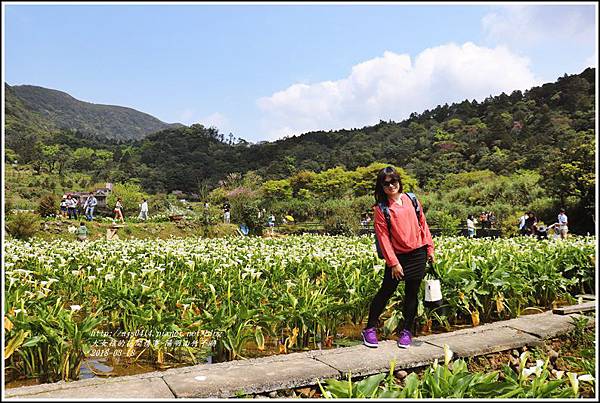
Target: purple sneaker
point(369, 337)
point(405, 339)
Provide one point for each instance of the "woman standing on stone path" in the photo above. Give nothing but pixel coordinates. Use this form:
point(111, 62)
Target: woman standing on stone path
point(406, 248)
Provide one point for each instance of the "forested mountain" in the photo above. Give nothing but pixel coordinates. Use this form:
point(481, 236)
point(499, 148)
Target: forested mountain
point(548, 129)
point(19, 117)
point(59, 110)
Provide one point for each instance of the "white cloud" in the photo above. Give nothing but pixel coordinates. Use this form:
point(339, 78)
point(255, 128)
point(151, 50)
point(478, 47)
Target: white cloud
point(392, 87)
point(591, 61)
point(190, 116)
point(217, 120)
point(186, 116)
point(527, 25)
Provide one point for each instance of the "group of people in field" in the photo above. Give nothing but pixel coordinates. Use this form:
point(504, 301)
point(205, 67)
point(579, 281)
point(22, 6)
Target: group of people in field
point(69, 206)
point(487, 220)
point(529, 226)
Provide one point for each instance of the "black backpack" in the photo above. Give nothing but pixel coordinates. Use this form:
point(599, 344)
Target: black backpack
point(386, 213)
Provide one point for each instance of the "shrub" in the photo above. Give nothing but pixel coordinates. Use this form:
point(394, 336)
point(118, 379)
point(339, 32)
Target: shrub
point(48, 205)
point(301, 210)
point(222, 230)
point(158, 203)
point(207, 216)
point(248, 214)
point(245, 207)
point(340, 217)
point(363, 204)
point(23, 225)
point(342, 223)
point(131, 196)
point(510, 225)
point(445, 222)
point(8, 205)
point(217, 196)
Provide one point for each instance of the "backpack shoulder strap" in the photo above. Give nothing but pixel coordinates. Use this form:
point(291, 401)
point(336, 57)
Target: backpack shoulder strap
point(416, 205)
point(386, 213)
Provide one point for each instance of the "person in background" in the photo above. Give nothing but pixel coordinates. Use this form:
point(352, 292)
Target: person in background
point(271, 224)
point(530, 227)
point(555, 230)
point(406, 247)
point(563, 222)
point(119, 210)
point(89, 205)
point(82, 231)
point(483, 220)
point(470, 226)
point(226, 212)
point(206, 213)
point(143, 210)
point(541, 232)
point(522, 223)
point(491, 219)
point(71, 206)
point(63, 206)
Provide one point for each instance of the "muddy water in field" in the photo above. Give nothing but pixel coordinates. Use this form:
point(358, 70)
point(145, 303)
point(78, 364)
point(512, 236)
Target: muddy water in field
point(95, 367)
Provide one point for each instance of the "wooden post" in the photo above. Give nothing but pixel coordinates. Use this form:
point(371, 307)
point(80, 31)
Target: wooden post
point(111, 232)
point(585, 307)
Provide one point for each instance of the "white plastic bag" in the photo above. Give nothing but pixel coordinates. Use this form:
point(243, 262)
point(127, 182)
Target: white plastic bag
point(433, 291)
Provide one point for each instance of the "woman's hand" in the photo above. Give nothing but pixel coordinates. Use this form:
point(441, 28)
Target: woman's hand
point(430, 258)
point(397, 272)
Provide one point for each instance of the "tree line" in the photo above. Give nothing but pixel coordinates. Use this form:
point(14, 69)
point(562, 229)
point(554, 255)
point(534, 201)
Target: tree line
point(547, 130)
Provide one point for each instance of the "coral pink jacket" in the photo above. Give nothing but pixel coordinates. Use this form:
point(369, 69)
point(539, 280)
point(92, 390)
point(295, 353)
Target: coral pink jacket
point(406, 234)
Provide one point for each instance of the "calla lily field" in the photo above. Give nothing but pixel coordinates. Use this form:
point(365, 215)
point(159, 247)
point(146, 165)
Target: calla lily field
point(183, 300)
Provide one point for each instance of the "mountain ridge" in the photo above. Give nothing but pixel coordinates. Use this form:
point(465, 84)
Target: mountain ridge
point(60, 110)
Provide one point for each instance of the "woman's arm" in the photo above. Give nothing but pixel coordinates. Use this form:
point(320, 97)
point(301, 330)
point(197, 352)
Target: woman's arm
point(426, 234)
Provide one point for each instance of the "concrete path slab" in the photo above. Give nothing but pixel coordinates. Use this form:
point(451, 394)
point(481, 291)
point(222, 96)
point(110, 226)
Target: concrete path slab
point(482, 341)
point(545, 325)
point(362, 360)
point(252, 376)
point(145, 388)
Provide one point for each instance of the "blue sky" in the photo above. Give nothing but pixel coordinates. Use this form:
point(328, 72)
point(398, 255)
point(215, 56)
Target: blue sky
point(263, 71)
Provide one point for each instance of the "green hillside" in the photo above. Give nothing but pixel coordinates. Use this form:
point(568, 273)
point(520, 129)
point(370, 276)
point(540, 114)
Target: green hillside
point(19, 116)
point(65, 112)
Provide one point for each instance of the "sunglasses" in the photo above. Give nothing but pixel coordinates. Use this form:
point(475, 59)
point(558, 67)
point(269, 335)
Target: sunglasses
point(390, 183)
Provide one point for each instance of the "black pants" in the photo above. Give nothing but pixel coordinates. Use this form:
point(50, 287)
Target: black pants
point(414, 270)
point(72, 212)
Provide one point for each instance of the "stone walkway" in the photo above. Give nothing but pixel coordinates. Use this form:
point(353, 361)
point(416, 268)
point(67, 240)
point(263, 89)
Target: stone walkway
point(262, 375)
